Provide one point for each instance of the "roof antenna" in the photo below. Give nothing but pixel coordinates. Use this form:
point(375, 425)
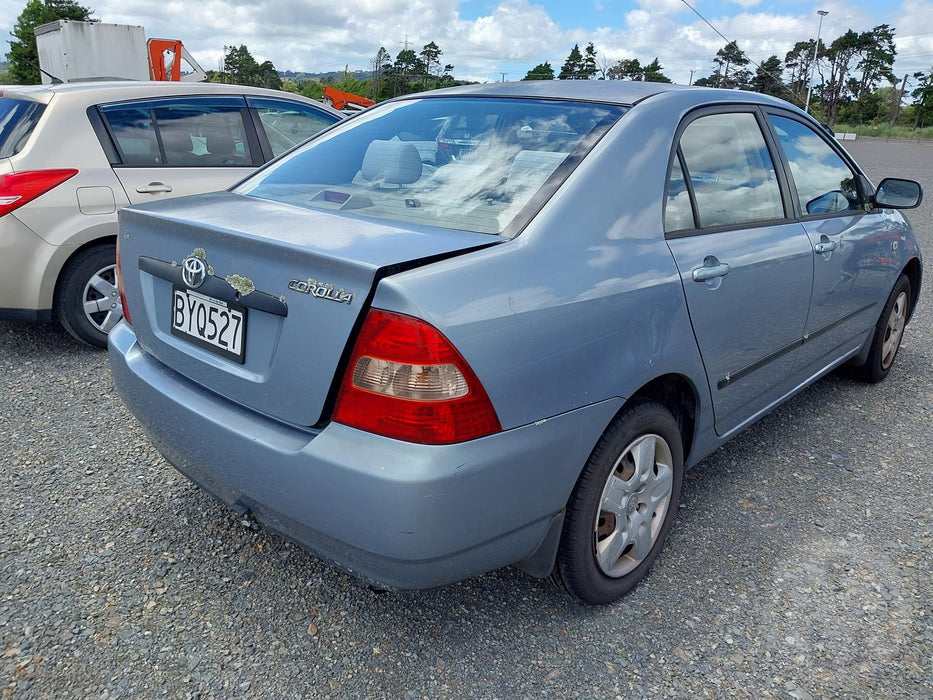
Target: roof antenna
point(55, 81)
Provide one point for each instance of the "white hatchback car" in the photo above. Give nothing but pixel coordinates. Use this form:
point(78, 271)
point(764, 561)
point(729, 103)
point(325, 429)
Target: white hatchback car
point(71, 155)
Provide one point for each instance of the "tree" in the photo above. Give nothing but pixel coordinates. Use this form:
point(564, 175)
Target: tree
point(573, 65)
point(589, 67)
point(834, 91)
point(23, 55)
point(431, 60)
point(626, 69)
point(798, 61)
point(267, 76)
point(240, 68)
point(654, 74)
point(877, 59)
point(923, 99)
point(542, 71)
point(382, 66)
point(731, 57)
point(767, 78)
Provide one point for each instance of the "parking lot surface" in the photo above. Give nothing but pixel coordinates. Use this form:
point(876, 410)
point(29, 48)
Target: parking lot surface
point(800, 564)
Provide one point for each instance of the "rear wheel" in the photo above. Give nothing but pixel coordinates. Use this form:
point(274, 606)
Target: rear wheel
point(886, 340)
point(621, 509)
point(88, 301)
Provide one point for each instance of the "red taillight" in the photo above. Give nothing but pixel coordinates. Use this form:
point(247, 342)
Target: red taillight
point(126, 311)
point(406, 381)
point(17, 189)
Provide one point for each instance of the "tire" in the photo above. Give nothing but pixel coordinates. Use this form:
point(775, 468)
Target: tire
point(87, 300)
point(635, 474)
point(886, 339)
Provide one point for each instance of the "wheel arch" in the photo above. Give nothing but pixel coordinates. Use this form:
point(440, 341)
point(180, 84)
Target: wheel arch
point(679, 396)
point(103, 240)
point(914, 272)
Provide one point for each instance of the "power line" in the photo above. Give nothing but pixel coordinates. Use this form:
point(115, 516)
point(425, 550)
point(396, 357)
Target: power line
point(754, 63)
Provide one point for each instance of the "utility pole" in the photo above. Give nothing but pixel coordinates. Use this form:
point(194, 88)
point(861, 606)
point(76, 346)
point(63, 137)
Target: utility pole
point(692, 71)
point(816, 47)
point(503, 76)
point(898, 97)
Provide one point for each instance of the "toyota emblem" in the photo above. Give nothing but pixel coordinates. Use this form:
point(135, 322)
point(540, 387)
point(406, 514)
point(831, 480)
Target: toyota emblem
point(193, 272)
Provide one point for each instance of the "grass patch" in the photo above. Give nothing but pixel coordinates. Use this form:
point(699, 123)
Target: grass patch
point(886, 132)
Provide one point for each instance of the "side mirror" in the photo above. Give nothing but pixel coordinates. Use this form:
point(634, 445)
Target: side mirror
point(895, 193)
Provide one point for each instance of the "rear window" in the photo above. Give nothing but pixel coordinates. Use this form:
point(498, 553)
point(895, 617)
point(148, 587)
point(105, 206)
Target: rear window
point(477, 164)
point(17, 120)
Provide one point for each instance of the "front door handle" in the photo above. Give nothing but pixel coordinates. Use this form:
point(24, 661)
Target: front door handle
point(711, 269)
point(825, 246)
point(154, 188)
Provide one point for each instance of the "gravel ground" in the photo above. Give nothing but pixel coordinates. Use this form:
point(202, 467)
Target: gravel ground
point(800, 564)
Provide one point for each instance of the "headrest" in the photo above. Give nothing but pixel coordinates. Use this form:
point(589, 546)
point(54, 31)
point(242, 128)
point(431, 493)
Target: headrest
point(391, 162)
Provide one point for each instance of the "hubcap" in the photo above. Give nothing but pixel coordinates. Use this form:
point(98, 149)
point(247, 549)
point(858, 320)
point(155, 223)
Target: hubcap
point(633, 505)
point(101, 299)
point(893, 330)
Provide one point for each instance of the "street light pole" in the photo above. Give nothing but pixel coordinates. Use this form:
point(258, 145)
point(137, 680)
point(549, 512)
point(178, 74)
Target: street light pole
point(816, 47)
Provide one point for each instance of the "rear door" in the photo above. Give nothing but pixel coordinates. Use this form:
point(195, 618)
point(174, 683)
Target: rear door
point(746, 266)
point(180, 146)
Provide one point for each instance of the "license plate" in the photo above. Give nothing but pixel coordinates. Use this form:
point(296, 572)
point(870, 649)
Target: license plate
point(210, 323)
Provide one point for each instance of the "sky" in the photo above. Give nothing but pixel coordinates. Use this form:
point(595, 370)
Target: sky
point(492, 40)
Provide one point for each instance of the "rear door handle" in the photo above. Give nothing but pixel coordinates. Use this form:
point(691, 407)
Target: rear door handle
point(711, 269)
point(154, 188)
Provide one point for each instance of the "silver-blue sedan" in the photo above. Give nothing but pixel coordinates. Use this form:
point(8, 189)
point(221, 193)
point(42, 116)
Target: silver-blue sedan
point(492, 325)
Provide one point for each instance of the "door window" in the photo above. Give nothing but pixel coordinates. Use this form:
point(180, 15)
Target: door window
point(287, 124)
point(183, 134)
point(678, 214)
point(731, 173)
point(825, 184)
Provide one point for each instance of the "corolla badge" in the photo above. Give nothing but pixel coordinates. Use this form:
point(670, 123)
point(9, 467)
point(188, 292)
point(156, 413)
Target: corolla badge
point(193, 271)
point(321, 290)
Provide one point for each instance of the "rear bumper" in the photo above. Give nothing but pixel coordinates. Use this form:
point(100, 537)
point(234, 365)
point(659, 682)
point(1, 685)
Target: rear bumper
point(24, 261)
point(393, 513)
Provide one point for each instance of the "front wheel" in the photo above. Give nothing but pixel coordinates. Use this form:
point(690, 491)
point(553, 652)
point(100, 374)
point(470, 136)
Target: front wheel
point(88, 301)
point(886, 339)
point(622, 506)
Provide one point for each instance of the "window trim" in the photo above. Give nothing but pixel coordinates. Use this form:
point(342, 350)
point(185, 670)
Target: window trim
point(777, 162)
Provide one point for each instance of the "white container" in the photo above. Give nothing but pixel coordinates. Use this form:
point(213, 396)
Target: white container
point(78, 51)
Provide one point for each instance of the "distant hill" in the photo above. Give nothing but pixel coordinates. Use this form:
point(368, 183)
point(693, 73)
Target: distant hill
point(332, 75)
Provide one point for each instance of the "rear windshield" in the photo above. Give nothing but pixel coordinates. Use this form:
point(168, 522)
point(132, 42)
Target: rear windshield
point(17, 120)
point(478, 164)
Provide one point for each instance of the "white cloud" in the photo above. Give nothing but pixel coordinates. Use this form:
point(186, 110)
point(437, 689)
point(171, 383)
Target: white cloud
point(512, 36)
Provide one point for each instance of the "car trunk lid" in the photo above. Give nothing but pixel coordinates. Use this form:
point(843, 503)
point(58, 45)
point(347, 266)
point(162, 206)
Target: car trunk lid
point(300, 278)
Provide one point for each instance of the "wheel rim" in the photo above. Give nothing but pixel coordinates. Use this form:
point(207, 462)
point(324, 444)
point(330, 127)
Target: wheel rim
point(633, 505)
point(894, 330)
point(101, 299)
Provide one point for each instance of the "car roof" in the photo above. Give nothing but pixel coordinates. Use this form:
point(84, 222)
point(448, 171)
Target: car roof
point(621, 92)
point(112, 90)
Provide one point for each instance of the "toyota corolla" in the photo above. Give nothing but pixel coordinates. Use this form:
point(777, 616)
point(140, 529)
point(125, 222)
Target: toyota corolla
point(425, 363)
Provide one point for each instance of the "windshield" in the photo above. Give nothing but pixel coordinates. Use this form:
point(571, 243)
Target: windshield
point(17, 120)
point(472, 163)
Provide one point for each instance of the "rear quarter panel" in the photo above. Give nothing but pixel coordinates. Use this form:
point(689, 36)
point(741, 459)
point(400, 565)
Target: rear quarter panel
point(586, 303)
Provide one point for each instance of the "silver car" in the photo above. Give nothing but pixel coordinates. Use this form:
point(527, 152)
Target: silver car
point(72, 155)
point(426, 364)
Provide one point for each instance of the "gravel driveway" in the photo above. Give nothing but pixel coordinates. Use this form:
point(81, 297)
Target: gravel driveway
point(800, 564)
